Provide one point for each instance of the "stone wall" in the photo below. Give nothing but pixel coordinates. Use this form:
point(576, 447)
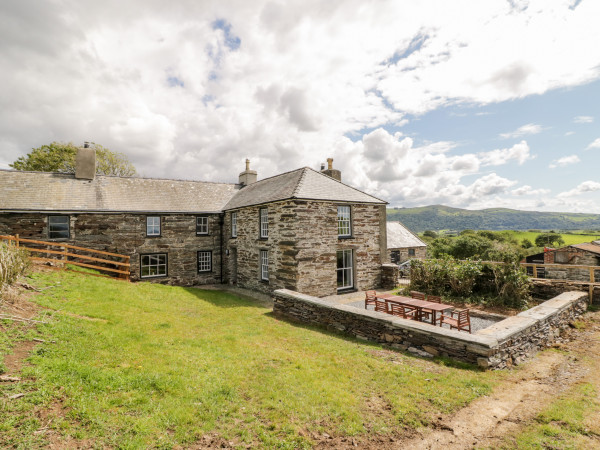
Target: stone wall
point(242, 263)
point(571, 256)
point(420, 253)
point(547, 289)
point(390, 276)
point(318, 243)
point(302, 245)
point(126, 234)
point(505, 343)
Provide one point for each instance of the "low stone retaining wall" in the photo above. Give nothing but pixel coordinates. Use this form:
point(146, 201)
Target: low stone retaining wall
point(546, 289)
point(505, 343)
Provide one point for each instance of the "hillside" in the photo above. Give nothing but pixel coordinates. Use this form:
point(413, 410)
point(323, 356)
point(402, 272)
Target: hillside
point(438, 217)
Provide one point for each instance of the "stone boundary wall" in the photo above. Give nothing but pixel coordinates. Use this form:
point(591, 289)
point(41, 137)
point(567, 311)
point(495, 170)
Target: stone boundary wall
point(549, 288)
point(510, 341)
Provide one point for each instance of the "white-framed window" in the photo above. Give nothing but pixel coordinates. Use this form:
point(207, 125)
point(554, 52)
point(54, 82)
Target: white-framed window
point(233, 224)
point(264, 223)
point(153, 265)
point(345, 276)
point(153, 226)
point(343, 220)
point(264, 265)
point(202, 225)
point(58, 227)
point(204, 261)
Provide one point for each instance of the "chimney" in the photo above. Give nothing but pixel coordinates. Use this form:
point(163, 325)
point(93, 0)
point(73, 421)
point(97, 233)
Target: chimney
point(247, 176)
point(85, 162)
point(330, 171)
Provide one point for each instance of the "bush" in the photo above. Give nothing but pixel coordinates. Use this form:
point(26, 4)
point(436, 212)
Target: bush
point(13, 262)
point(504, 284)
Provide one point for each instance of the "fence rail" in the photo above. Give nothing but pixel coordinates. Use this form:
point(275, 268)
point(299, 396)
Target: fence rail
point(121, 267)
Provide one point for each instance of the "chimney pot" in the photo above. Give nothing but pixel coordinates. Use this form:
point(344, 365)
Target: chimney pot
point(330, 171)
point(248, 176)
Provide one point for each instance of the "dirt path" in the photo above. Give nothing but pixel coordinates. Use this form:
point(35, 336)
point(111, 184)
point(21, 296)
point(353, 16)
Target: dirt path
point(487, 421)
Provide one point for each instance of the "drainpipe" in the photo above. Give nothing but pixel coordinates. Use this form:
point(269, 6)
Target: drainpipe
point(221, 224)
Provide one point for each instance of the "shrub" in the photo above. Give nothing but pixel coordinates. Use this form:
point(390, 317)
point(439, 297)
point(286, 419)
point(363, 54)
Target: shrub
point(13, 262)
point(501, 284)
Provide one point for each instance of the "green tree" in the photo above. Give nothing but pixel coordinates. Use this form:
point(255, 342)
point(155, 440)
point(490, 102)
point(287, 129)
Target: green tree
point(549, 240)
point(60, 157)
point(526, 243)
point(430, 233)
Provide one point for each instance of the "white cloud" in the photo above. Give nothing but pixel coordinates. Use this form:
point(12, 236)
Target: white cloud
point(530, 128)
point(595, 144)
point(564, 161)
point(286, 84)
point(583, 188)
point(583, 119)
point(528, 190)
point(519, 152)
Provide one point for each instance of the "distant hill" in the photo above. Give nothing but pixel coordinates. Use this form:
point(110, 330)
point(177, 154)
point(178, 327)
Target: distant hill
point(438, 217)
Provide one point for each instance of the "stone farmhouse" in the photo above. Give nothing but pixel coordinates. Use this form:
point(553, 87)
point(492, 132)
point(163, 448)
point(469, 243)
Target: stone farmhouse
point(403, 244)
point(302, 230)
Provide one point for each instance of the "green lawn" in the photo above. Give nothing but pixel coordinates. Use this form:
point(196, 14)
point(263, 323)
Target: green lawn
point(137, 365)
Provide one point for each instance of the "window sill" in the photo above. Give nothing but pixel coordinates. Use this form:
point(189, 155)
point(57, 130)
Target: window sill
point(154, 236)
point(263, 239)
point(346, 291)
point(264, 281)
point(345, 237)
point(202, 234)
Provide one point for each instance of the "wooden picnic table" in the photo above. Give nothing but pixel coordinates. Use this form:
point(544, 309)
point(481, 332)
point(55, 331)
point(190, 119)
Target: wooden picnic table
point(419, 305)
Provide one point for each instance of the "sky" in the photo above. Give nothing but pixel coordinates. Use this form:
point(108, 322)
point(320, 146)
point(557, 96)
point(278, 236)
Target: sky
point(472, 104)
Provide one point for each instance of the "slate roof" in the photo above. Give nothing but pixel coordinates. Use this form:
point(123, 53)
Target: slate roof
point(589, 246)
point(304, 183)
point(42, 191)
point(398, 236)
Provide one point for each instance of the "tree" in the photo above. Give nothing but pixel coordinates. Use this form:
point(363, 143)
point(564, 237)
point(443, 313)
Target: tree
point(549, 240)
point(60, 157)
point(430, 233)
point(526, 243)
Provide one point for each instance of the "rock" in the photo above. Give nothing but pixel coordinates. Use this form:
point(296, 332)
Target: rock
point(431, 350)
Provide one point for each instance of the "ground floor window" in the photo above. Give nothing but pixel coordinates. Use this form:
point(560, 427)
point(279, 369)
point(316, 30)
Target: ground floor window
point(395, 256)
point(345, 278)
point(154, 265)
point(204, 261)
point(411, 252)
point(58, 227)
point(264, 265)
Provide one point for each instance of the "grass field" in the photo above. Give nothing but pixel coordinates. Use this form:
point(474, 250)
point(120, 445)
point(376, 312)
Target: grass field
point(139, 365)
point(569, 238)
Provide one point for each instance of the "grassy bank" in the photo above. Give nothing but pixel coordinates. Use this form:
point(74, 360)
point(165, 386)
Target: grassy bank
point(137, 365)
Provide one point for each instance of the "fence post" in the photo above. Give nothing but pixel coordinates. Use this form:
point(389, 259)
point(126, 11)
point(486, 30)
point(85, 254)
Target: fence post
point(535, 271)
point(17, 240)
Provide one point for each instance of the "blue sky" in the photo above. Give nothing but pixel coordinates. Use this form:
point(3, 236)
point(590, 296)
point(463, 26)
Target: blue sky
point(466, 103)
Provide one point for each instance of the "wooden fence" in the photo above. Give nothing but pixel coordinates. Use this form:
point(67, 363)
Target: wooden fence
point(64, 253)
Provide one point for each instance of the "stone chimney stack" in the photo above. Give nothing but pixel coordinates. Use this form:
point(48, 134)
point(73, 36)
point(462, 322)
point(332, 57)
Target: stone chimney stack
point(85, 162)
point(330, 171)
point(248, 176)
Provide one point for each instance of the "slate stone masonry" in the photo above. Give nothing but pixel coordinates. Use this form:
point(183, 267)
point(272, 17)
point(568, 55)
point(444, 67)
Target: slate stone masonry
point(510, 341)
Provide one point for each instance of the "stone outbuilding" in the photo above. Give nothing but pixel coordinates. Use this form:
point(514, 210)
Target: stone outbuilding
point(302, 230)
point(586, 254)
point(403, 244)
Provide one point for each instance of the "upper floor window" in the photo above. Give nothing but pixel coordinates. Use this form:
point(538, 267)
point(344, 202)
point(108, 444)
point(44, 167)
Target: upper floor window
point(233, 224)
point(58, 227)
point(264, 223)
point(153, 226)
point(202, 225)
point(343, 220)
